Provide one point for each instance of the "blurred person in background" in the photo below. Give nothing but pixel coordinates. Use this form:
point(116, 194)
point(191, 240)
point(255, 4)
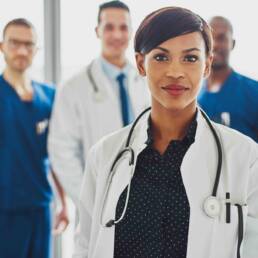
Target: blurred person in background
point(105, 96)
point(25, 192)
point(228, 97)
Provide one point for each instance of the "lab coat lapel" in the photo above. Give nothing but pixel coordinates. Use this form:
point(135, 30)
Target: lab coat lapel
point(106, 90)
point(106, 237)
point(198, 172)
point(123, 170)
point(102, 81)
point(120, 181)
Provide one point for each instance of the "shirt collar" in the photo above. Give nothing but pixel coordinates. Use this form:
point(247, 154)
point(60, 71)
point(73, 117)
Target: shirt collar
point(190, 133)
point(112, 71)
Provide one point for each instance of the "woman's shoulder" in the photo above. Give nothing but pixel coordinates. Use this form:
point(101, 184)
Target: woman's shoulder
point(234, 141)
point(107, 148)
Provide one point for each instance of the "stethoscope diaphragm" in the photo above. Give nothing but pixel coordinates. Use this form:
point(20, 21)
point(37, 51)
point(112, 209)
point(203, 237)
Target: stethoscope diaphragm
point(211, 207)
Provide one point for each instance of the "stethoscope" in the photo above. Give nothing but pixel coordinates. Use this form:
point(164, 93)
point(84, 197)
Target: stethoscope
point(211, 204)
point(97, 94)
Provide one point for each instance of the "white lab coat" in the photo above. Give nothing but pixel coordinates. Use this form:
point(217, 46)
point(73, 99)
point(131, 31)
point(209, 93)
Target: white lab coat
point(207, 237)
point(79, 120)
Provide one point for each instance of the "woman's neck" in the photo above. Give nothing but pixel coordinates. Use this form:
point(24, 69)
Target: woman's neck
point(170, 125)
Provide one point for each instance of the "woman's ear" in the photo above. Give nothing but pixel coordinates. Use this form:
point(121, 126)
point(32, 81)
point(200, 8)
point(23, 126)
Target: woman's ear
point(97, 31)
point(208, 63)
point(140, 63)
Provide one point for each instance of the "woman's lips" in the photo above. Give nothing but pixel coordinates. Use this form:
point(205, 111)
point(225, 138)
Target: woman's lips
point(175, 89)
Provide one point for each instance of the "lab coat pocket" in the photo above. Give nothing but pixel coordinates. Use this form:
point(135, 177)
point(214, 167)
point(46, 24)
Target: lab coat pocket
point(227, 231)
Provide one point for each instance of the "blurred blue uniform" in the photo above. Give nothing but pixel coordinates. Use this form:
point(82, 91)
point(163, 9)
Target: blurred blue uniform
point(25, 193)
point(235, 105)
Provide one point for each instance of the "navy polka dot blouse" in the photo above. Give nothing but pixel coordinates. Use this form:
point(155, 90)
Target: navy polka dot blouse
point(157, 217)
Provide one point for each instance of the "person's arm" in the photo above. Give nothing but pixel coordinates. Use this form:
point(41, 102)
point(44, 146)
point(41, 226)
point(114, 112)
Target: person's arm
point(64, 143)
point(86, 206)
point(61, 218)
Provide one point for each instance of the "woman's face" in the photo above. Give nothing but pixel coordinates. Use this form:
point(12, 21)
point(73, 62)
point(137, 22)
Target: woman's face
point(175, 70)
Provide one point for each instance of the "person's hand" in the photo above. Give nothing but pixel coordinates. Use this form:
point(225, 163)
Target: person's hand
point(61, 221)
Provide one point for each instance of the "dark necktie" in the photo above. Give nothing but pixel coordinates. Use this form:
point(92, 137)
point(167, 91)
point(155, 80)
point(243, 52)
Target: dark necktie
point(124, 101)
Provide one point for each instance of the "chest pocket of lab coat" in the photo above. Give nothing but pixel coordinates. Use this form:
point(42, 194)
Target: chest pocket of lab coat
point(226, 235)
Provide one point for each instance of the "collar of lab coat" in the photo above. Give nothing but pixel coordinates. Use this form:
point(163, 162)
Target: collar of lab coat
point(113, 71)
point(139, 138)
point(104, 83)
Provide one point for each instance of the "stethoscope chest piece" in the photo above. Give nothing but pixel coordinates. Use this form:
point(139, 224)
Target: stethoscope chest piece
point(211, 207)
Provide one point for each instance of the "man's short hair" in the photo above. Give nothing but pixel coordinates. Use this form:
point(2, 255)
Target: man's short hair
point(224, 20)
point(112, 4)
point(18, 22)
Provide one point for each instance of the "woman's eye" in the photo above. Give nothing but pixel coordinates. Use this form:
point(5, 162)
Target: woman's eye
point(160, 57)
point(191, 58)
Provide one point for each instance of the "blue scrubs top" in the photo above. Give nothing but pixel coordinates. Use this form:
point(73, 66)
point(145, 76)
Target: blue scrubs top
point(23, 151)
point(238, 100)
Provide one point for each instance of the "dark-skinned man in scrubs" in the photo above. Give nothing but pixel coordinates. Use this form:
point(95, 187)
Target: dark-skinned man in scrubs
point(228, 97)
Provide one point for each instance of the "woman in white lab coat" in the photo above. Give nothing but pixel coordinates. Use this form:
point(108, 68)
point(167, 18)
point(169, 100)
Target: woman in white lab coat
point(173, 184)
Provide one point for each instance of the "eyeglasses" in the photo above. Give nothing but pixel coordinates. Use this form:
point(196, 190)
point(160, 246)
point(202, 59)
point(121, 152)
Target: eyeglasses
point(16, 44)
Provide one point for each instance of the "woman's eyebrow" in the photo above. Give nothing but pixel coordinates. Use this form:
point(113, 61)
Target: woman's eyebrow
point(163, 49)
point(184, 51)
point(191, 49)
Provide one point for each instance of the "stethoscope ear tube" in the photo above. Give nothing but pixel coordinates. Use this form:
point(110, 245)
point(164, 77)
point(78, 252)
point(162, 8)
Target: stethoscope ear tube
point(90, 76)
point(133, 126)
point(120, 154)
point(217, 179)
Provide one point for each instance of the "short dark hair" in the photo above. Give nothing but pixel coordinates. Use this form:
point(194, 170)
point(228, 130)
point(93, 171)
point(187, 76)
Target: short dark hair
point(170, 22)
point(18, 22)
point(112, 4)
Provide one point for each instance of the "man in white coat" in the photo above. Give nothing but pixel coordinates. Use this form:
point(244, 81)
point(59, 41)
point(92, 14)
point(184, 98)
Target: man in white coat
point(103, 97)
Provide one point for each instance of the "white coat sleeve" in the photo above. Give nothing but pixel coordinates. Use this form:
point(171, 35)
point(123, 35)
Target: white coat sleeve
point(250, 247)
point(65, 143)
point(86, 205)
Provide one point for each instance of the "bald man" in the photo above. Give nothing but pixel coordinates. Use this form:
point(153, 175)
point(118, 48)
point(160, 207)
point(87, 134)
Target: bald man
point(228, 97)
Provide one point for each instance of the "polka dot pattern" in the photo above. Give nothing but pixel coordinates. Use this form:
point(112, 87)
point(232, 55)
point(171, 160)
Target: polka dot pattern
point(157, 217)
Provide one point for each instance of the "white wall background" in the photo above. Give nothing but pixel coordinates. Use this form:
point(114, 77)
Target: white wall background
point(80, 45)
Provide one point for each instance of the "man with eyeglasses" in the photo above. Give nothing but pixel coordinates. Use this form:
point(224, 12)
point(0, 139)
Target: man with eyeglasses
point(25, 192)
